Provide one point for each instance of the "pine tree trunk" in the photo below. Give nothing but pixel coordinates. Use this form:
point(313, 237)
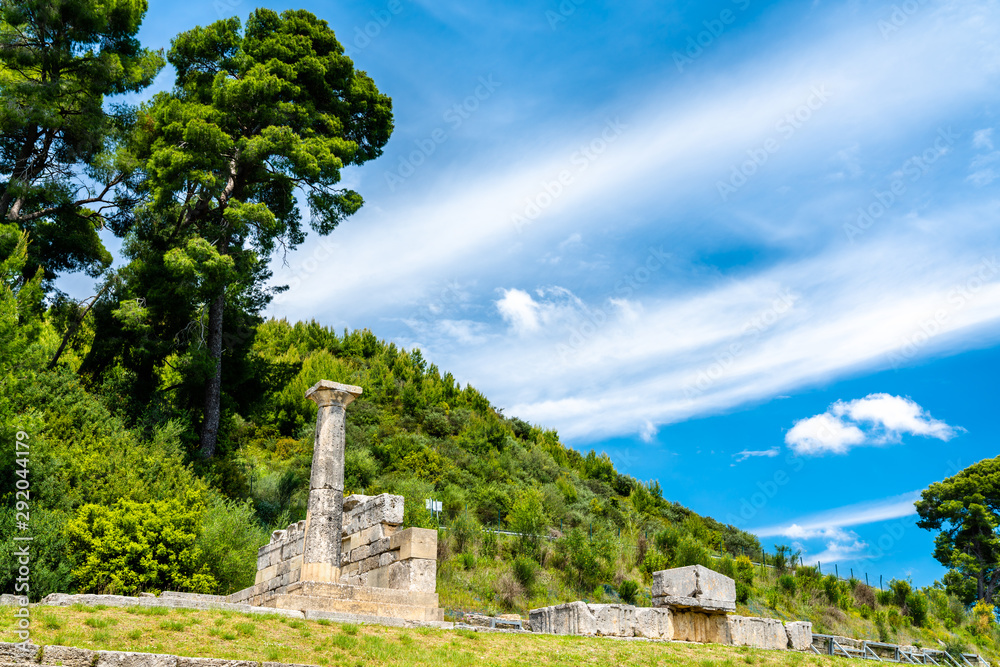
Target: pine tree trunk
point(213, 388)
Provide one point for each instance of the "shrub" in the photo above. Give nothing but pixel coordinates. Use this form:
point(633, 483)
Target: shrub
point(786, 583)
point(467, 560)
point(725, 566)
point(525, 571)
point(654, 562)
point(583, 568)
point(490, 546)
point(527, 517)
point(900, 589)
point(744, 579)
point(864, 595)
point(132, 547)
point(229, 538)
point(917, 606)
point(983, 618)
point(690, 551)
point(885, 598)
point(879, 617)
point(465, 529)
point(628, 591)
point(782, 555)
point(508, 590)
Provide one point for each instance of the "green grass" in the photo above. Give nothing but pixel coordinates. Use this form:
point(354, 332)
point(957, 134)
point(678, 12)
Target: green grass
point(215, 634)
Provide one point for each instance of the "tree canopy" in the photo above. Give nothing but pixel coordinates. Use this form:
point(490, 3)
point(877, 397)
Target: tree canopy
point(58, 63)
point(965, 509)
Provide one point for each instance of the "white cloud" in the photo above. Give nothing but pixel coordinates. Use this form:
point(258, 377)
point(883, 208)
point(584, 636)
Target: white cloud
point(519, 310)
point(823, 433)
point(766, 453)
point(983, 138)
point(874, 420)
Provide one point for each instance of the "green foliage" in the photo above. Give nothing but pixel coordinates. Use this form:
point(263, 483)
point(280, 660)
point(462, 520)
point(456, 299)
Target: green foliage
point(786, 583)
point(900, 589)
point(744, 579)
point(964, 509)
point(58, 62)
point(885, 598)
point(229, 538)
point(528, 518)
point(628, 590)
point(917, 607)
point(132, 547)
point(525, 571)
point(689, 551)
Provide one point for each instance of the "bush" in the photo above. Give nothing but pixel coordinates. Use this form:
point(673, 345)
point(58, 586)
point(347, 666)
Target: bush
point(583, 568)
point(134, 547)
point(525, 571)
point(490, 546)
point(467, 560)
point(786, 583)
point(527, 517)
point(690, 551)
point(229, 539)
point(725, 566)
point(917, 606)
point(744, 579)
point(509, 590)
point(654, 562)
point(900, 589)
point(465, 529)
point(885, 598)
point(864, 595)
point(983, 618)
point(628, 591)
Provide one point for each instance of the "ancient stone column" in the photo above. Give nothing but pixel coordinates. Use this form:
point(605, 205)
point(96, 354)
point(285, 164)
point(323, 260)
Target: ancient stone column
point(321, 551)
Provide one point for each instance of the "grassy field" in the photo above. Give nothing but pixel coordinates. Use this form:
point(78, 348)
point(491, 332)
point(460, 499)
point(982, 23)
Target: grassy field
point(223, 634)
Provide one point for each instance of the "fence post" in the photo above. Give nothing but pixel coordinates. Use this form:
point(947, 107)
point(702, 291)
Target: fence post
point(880, 582)
point(866, 581)
point(836, 570)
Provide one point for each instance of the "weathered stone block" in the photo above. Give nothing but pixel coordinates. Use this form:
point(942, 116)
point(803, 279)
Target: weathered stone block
point(573, 618)
point(19, 652)
point(213, 662)
point(653, 623)
point(692, 626)
point(361, 553)
point(694, 587)
point(386, 559)
point(67, 656)
point(757, 632)
point(799, 635)
point(613, 620)
point(414, 574)
point(415, 543)
point(123, 659)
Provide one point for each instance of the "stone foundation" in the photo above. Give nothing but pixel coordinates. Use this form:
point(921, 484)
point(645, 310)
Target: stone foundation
point(694, 587)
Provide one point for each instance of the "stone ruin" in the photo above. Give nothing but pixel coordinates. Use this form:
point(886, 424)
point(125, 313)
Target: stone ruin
point(349, 555)
point(689, 604)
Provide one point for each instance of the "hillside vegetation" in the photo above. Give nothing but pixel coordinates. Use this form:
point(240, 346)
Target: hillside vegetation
point(121, 502)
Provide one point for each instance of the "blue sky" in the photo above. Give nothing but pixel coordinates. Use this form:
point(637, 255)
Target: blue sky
point(747, 248)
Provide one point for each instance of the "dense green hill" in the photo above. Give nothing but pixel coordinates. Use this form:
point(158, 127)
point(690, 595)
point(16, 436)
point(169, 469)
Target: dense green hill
point(120, 501)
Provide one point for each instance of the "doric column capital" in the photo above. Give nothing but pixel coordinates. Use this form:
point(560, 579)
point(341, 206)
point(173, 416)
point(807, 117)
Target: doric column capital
point(325, 393)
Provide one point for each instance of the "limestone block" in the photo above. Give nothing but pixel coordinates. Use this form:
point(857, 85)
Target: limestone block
point(653, 623)
point(278, 536)
point(694, 587)
point(573, 618)
point(383, 508)
point(799, 635)
point(67, 656)
point(353, 500)
point(415, 543)
point(382, 545)
point(414, 574)
point(757, 632)
point(19, 652)
point(613, 620)
point(266, 574)
point(386, 559)
point(123, 659)
point(213, 662)
point(693, 626)
point(361, 553)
